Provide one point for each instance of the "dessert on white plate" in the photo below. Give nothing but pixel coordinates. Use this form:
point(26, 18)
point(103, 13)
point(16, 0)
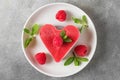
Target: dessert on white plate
point(60, 44)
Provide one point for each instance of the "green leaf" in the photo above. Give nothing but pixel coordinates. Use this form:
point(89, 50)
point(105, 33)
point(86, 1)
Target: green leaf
point(76, 62)
point(84, 24)
point(35, 29)
point(82, 59)
point(65, 37)
point(76, 20)
point(84, 19)
point(26, 30)
point(69, 61)
point(62, 33)
point(67, 40)
point(81, 29)
point(27, 42)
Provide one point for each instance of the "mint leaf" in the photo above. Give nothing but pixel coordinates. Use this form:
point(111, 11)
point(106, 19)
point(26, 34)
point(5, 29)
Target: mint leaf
point(76, 62)
point(69, 61)
point(26, 30)
point(67, 40)
point(35, 29)
point(84, 19)
point(76, 20)
point(62, 33)
point(81, 29)
point(27, 42)
point(82, 59)
point(65, 37)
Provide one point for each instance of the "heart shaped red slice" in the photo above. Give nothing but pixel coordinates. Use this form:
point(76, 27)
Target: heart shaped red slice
point(47, 34)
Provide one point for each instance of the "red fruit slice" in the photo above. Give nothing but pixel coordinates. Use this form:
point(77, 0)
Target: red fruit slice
point(41, 58)
point(81, 50)
point(61, 15)
point(47, 34)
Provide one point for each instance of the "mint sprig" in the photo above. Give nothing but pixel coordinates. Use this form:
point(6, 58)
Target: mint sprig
point(77, 60)
point(64, 36)
point(83, 22)
point(31, 34)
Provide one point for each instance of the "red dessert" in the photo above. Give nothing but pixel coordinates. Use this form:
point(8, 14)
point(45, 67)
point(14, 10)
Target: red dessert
point(61, 15)
point(56, 47)
point(81, 50)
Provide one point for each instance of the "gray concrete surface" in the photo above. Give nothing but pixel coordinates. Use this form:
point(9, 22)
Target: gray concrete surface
point(106, 62)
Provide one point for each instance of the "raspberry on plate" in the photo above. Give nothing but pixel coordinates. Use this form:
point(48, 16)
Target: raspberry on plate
point(81, 50)
point(41, 58)
point(61, 15)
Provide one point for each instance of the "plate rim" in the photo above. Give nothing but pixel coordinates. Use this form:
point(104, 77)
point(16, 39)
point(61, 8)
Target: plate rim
point(49, 4)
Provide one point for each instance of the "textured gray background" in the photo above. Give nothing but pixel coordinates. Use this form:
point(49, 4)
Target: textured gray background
point(106, 62)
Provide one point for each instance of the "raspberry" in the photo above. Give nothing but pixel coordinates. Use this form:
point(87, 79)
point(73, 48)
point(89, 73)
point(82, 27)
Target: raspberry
point(81, 50)
point(57, 41)
point(41, 58)
point(61, 15)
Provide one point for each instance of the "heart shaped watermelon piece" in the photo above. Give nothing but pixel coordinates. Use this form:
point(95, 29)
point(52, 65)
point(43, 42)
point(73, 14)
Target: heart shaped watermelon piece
point(47, 34)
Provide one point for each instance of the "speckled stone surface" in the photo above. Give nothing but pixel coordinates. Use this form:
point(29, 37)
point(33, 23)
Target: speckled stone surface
point(105, 64)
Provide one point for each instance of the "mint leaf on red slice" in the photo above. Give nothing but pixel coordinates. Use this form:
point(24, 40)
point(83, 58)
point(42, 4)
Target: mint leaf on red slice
point(65, 37)
point(67, 40)
point(62, 33)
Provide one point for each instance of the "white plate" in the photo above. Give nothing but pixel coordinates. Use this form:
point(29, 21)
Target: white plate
point(45, 15)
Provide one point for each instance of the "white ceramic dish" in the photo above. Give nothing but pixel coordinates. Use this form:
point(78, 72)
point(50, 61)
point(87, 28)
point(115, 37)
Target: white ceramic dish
point(45, 15)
